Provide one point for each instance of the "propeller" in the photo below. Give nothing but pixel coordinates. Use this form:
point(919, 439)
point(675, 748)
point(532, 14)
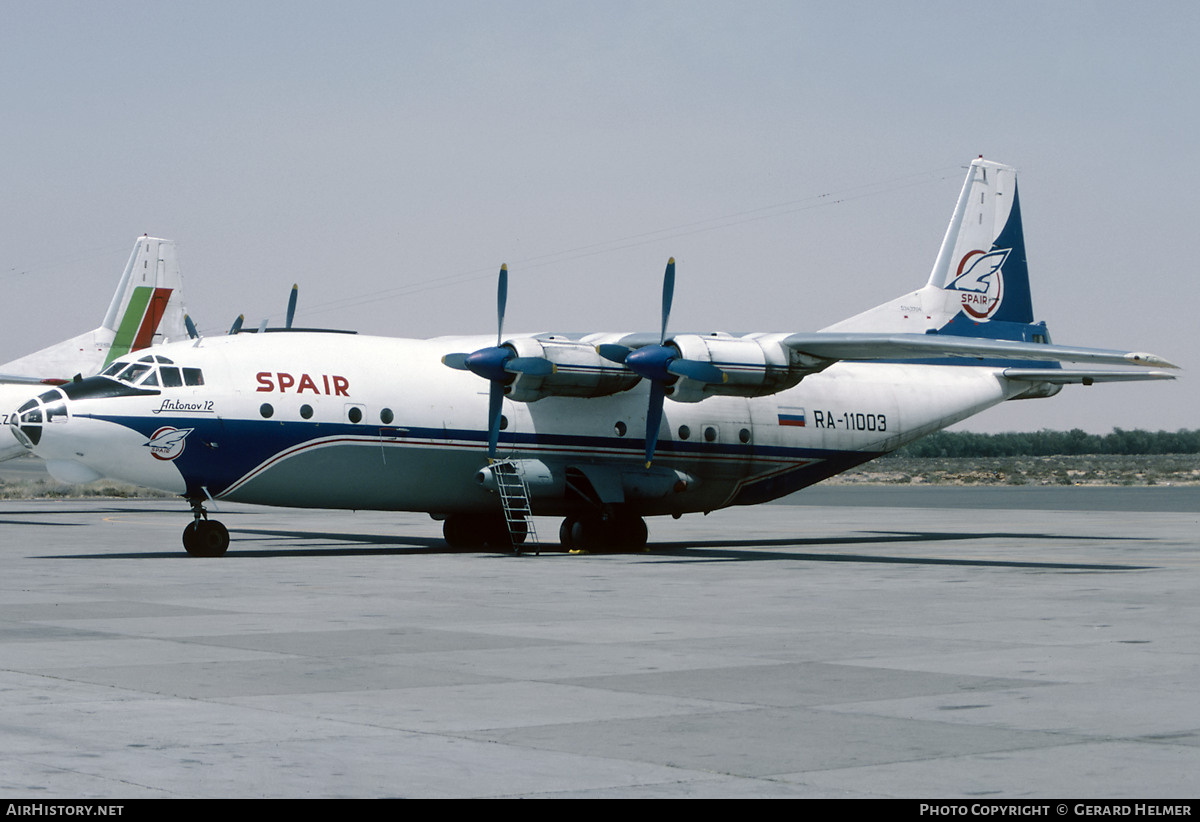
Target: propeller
point(660, 365)
point(291, 309)
point(236, 328)
point(191, 327)
point(499, 365)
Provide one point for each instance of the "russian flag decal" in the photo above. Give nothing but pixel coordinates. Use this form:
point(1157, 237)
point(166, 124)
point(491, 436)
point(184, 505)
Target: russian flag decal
point(791, 416)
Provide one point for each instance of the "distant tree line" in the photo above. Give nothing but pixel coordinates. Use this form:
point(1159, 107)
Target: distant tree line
point(1047, 443)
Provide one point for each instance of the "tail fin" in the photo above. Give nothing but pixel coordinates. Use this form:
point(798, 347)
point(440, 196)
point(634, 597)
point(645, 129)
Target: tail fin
point(979, 286)
point(142, 312)
point(146, 309)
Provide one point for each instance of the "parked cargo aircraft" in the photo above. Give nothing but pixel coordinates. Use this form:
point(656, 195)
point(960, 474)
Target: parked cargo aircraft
point(147, 309)
point(482, 432)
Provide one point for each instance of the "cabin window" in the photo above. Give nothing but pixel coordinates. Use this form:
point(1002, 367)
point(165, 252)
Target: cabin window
point(354, 414)
point(171, 377)
point(306, 411)
point(744, 435)
point(710, 434)
point(193, 376)
point(684, 432)
point(266, 410)
point(386, 416)
point(620, 428)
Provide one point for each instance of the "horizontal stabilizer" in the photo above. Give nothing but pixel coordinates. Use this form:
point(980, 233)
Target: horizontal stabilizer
point(868, 346)
point(17, 379)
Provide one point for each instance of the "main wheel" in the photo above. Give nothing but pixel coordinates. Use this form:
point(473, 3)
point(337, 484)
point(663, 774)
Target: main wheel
point(620, 532)
point(467, 532)
point(206, 538)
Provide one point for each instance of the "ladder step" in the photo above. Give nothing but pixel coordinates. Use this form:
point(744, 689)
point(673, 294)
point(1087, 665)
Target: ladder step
point(514, 499)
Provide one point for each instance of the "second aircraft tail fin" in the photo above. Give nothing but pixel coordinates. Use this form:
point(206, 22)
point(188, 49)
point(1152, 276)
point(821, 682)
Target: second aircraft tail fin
point(146, 309)
point(147, 306)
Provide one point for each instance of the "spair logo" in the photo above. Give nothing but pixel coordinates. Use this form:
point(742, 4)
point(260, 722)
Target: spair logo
point(167, 443)
point(980, 282)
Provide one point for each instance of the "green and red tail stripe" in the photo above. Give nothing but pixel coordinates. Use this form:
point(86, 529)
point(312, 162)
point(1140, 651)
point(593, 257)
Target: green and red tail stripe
point(136, 331)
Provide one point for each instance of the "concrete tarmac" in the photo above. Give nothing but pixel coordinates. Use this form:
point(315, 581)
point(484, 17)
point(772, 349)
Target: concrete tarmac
point(859, 642)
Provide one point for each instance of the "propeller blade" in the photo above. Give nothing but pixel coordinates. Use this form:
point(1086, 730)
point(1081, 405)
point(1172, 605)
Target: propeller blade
point(191, 327)
point(530, 366)
point(653, 419)
point(667, 297)
point(237, 324)
point(697, 370)
point(495, 405)
point(612, 351)
point(501, 302)
point(291, 309)
point(456, 361)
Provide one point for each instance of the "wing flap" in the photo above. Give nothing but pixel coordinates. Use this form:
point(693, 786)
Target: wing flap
point(1062, 376)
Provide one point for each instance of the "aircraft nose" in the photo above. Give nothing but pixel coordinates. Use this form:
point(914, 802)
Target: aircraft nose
point(28, 422)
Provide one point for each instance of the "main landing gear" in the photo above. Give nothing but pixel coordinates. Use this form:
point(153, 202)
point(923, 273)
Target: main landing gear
point(466, 532)
point(603, 531)
point(204, 537)
point(593, 532)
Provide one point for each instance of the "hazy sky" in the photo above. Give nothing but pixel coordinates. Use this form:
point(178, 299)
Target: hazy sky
point(800, 160)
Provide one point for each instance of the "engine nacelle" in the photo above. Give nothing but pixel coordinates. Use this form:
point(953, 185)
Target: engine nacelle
point(579, 371)
point(754, 367)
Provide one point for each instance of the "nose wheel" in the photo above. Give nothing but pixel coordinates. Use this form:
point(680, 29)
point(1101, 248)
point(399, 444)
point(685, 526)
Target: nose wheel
point(205, 537)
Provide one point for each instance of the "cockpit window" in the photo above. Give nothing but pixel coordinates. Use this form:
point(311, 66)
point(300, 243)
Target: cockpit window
point(152, 371)
point(134, 371)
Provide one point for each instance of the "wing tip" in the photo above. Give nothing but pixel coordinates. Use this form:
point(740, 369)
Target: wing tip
point(1144, 358)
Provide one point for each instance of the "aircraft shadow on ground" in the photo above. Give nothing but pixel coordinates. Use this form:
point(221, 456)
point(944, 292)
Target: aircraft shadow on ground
point(321, 543)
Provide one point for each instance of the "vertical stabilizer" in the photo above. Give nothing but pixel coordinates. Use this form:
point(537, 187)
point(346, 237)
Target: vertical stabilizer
point(979, 285)
point(982, 258)
point(142, 312)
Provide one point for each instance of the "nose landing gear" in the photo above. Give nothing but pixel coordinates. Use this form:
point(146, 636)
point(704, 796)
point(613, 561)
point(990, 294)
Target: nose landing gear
point(204, 537)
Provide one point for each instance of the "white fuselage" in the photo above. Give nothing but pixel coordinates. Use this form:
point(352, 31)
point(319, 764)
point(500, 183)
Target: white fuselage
point(347, 421)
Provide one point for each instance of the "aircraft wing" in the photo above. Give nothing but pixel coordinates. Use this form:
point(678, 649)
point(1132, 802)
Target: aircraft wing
point(835, 346)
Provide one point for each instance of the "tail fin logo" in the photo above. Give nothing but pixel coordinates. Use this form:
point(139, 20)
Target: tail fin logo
point(980, 283)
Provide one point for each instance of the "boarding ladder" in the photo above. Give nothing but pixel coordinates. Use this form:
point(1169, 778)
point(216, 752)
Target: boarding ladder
point(514, 498)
